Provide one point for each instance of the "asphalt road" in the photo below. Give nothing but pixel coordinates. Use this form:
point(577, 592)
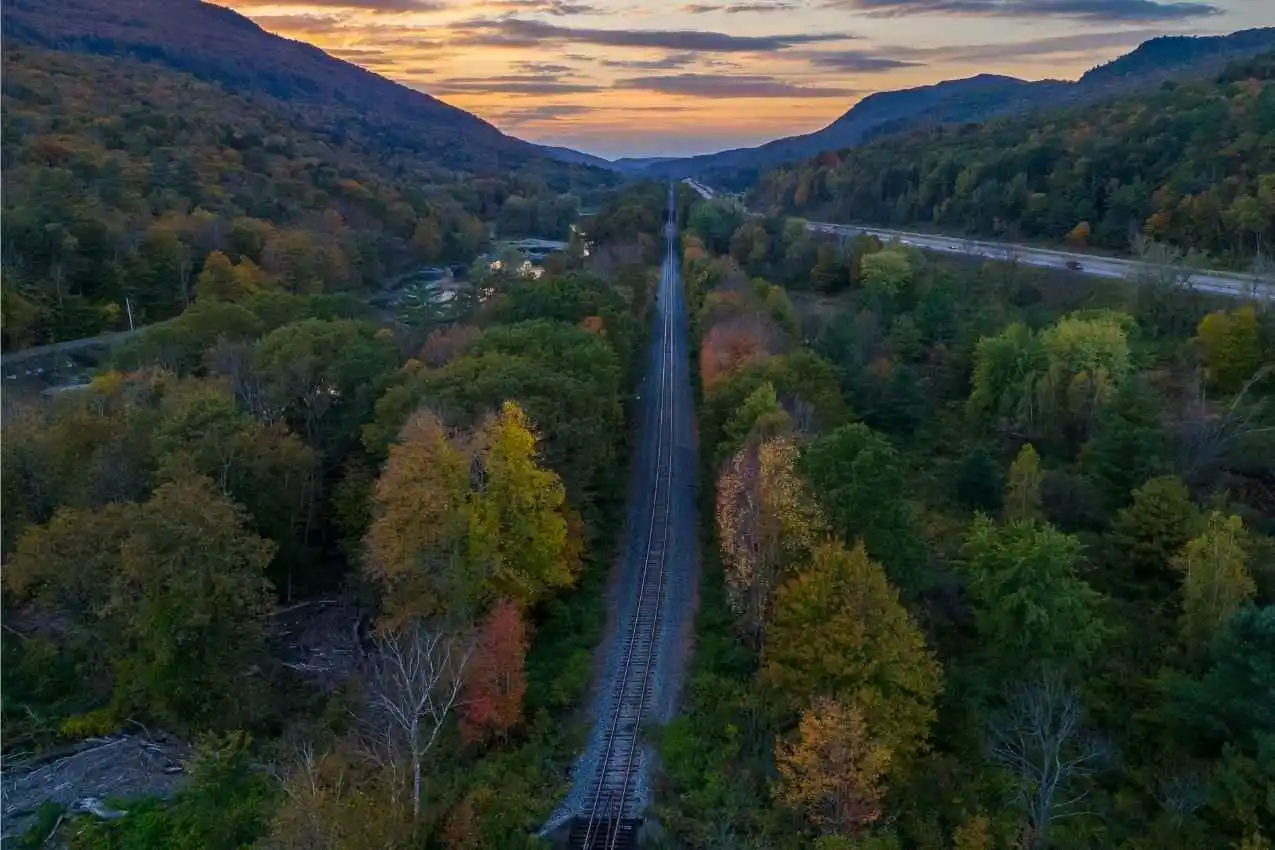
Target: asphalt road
point(1225, 283)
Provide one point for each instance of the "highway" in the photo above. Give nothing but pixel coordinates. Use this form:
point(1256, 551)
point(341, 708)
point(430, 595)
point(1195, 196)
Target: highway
point(1224, 283)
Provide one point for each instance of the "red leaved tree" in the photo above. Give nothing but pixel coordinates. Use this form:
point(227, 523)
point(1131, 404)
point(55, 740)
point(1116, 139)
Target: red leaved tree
point(495, 685)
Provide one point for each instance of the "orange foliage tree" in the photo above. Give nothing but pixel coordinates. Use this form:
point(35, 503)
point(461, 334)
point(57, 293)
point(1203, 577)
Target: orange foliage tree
point(446, 344)
point(732, 343)
point(766, 520)
point(835, 769)
point(495, 683)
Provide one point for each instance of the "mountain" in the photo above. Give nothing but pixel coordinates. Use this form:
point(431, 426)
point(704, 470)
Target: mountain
point(1191, 163)
point(218, 45)
point(974, 99)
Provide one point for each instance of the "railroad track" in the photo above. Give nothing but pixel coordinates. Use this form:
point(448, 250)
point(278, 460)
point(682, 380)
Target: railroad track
point(607, 821)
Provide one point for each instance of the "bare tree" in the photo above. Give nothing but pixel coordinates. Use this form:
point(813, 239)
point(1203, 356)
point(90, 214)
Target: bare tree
point(1039, 741)
point(1206, 434)
point(234, 359)
point(415, 682)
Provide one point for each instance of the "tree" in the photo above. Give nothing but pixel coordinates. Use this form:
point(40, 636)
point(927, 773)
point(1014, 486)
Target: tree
point(416, 541)
point(1154, 528)
point(222, 280)
point(519, 525)
point(1007, 368)
point(1215, 579)
point(1022, 490)
point(835, 770)
point(1231, 702)
point(495, 683)
point(759, 417)
point(1028, 602)
point(1231, 347)
point(415, 681)
point(324, 377)
point(192, 599)
point(463, 519)
point(978, 480)
point(1087, 357)
point(1079, 235)
point(766, 522)
point(903, 405)
point(861, 482)
point(887, 273)
point(1129, 446)
point(838, 629)
point(1039, 741)
point(731, 344)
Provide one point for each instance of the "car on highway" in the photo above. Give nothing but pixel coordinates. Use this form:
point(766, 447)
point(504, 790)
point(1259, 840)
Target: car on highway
point(1074, 265)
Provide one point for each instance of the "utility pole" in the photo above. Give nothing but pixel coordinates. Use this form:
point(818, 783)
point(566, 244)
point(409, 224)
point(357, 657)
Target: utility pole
point(129, 308)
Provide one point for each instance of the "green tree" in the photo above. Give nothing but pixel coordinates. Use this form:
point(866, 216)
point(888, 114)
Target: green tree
point(1231, 702)
point(191, 598)
point(1029, 604)
point(838, 629)
point(978, 480)
point(325, 376)
point(861, 483)
point(1129, 446)
point(886, 274)
point(1150, 532)
point(1007, 370)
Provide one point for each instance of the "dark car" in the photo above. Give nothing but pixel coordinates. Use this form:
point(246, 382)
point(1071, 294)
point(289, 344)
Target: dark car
point(1074, 266)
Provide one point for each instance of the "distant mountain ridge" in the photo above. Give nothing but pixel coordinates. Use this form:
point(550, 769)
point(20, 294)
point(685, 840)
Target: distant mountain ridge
point(221, 46)
point(971, 100)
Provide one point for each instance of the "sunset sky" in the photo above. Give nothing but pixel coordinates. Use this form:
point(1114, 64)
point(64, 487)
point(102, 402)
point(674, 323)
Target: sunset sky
point(656, 77)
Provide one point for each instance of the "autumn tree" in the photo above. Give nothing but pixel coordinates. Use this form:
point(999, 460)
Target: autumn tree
point(495, 683)
point(1022, 490)
point(732, 343)
point(838, 629)
point(1215, 579)
point(835, 770)
point(222, 280)
point(1029, 602)
point(1230, 343)
point(766, 522)
point(464, 518)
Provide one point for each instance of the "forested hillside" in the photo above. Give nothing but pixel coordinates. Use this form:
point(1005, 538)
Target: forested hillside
point(456, 495)
point(122, 179)
point(989, 558)
point(1192, 165)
